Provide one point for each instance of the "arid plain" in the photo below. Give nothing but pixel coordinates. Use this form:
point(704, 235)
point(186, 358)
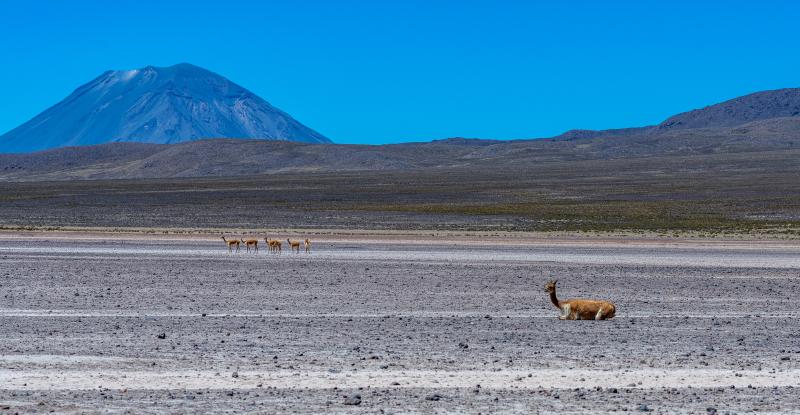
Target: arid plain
point(424, 291)
point(409, 323)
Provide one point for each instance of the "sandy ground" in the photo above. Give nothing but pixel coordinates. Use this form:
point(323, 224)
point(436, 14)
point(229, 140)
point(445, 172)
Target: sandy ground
point(100, 323)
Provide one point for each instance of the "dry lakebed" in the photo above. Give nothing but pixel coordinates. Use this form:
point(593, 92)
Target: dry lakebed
point(93, 322)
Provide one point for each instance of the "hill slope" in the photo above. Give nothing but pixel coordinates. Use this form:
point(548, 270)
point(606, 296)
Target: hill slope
point(225, 157)
point(156, 105)
point(764, 105)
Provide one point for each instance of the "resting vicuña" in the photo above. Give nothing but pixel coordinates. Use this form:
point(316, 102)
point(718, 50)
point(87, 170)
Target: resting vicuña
point(580, 309)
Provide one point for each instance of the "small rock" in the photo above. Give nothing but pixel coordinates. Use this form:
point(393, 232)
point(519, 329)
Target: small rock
point(643, 408)
point(711, 410)
point(434, 397)
point(162, 335)
point(235, 374)
point(352, 400)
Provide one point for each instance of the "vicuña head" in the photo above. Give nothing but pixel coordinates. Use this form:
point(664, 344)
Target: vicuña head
point(580, 309)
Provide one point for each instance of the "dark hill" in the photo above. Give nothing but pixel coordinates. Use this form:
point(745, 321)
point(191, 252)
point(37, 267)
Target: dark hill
point(764, 105)
point(226, 157)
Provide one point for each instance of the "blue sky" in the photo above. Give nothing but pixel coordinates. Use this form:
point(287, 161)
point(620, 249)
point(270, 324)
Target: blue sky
point(380, 72)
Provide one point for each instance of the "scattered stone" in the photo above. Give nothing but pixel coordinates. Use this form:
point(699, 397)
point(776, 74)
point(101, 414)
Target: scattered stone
point(434, 397)
point(162, 335)
point(352, 400)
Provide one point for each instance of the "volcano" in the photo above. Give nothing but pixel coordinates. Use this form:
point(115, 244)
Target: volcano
point(163, 105)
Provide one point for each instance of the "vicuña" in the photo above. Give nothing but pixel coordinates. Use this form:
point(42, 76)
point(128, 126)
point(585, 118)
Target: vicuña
point(250, 243)
point(294, 245)
point(231, 244)
point(580, 309)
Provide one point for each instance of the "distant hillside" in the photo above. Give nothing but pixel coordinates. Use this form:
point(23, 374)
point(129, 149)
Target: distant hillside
point(156, 105)
point(742, 125)
point(779, 103)
point(247, 157)
point(754, 107)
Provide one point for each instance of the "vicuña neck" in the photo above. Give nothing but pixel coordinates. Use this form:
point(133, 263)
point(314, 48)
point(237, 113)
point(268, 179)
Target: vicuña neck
point(554, 299)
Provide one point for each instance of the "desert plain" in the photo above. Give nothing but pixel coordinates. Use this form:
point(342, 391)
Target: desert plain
point(396, 323)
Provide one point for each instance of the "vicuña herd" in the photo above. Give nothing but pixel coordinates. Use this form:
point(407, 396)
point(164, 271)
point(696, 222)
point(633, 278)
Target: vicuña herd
point(273, 245)
point(572, 309)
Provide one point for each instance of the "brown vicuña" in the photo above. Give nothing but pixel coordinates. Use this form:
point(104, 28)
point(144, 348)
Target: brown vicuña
point(274, 245)
point(231, 244)
point(580, 309)
point(307, 244)
point(295, 246)
point(250, 242)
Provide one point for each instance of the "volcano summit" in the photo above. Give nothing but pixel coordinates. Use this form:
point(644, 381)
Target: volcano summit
point(156, 105)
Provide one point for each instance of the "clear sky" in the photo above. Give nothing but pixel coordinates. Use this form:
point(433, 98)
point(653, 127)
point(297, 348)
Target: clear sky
point(392, 71)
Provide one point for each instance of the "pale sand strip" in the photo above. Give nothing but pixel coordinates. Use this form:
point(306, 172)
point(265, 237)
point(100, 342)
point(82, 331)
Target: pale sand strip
point(650, 257)
point(430, 379)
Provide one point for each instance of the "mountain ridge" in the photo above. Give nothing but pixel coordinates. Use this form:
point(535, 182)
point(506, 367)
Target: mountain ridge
point(231, 157)
point(766, 121)
point(761, 105)
point(171, 104)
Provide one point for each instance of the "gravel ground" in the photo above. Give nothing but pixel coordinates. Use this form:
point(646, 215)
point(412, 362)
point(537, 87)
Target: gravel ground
point(118, 324)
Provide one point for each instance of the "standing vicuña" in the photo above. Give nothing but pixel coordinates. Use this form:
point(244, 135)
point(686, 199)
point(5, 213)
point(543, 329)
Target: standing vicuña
point(295, 246)
point(307, 244)
point(579, 309)
point(251, 242)
point(231, 244)
point(274, 245)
